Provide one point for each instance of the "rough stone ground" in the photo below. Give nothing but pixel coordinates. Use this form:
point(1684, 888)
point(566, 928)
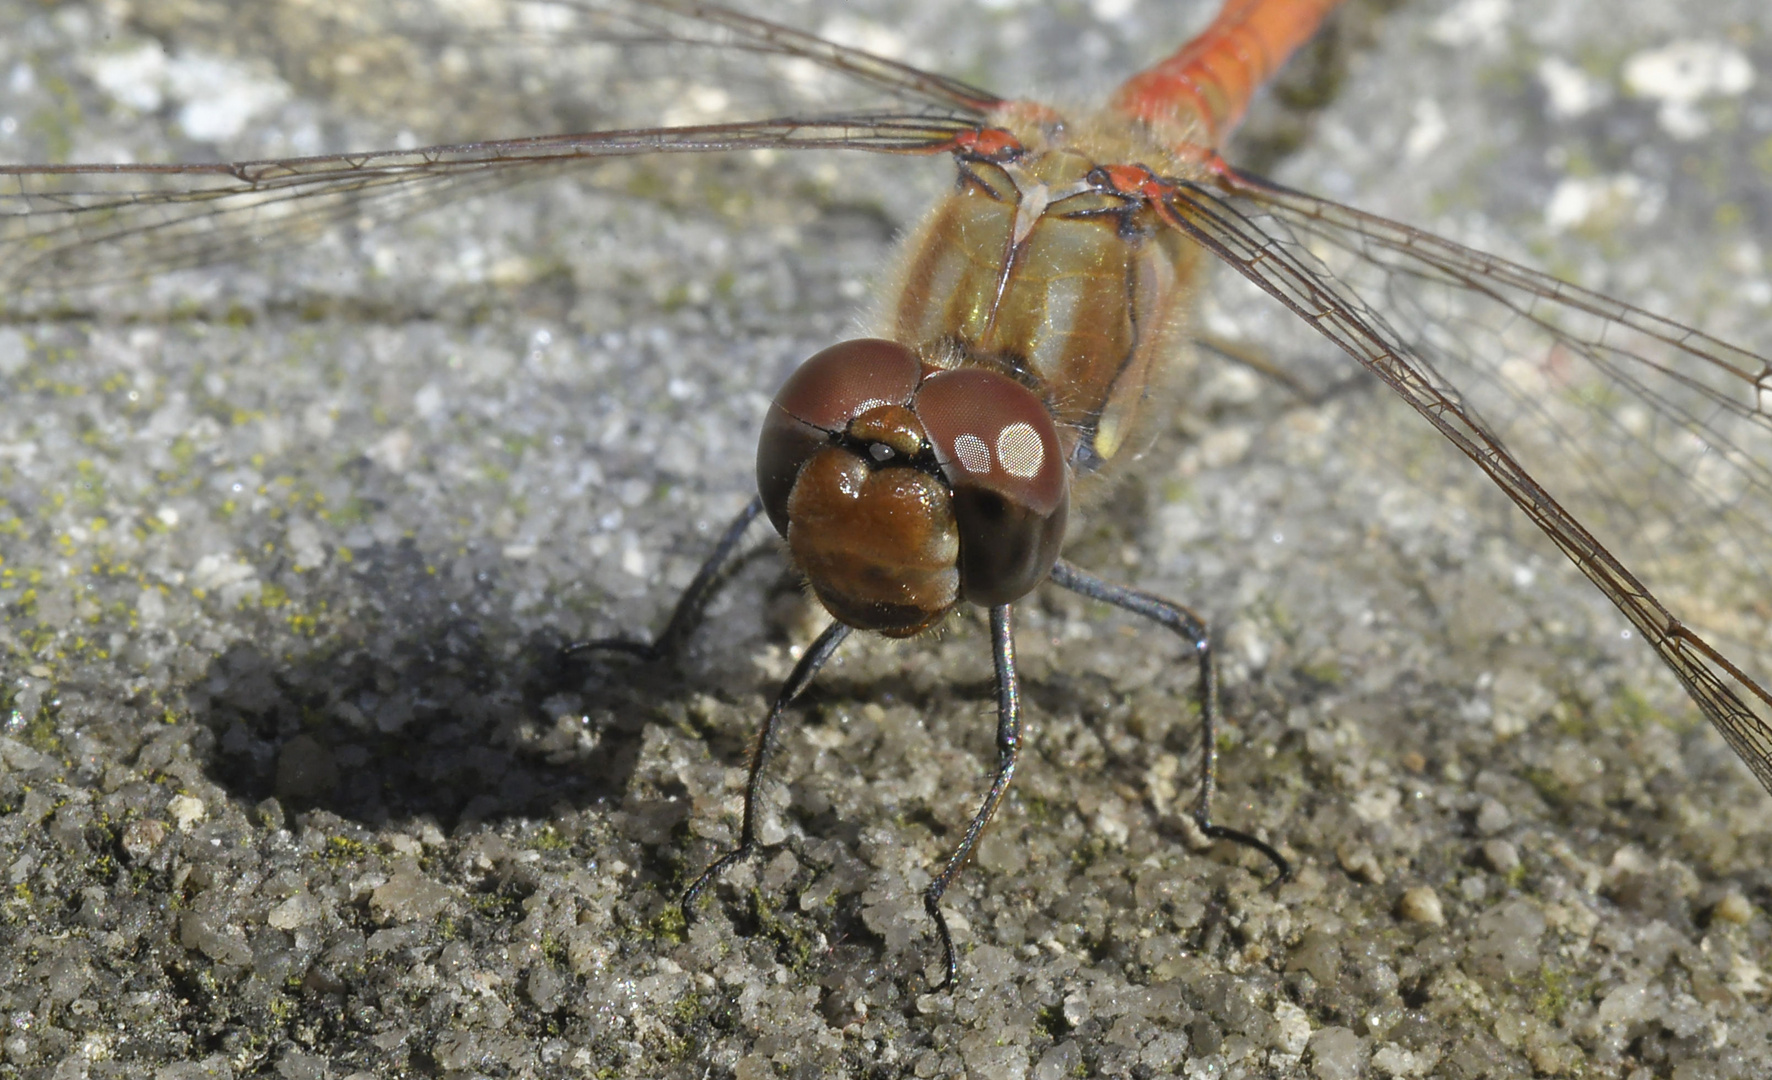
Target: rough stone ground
point(294, 783)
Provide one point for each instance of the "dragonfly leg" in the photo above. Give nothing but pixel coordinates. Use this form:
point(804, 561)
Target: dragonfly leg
point(1008, 754)
point(821, 651)
point(1192, 629)
point(1255, 360)
point(690, 605)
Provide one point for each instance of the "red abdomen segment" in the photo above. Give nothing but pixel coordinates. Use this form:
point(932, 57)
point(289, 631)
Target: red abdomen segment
point(1202, 91)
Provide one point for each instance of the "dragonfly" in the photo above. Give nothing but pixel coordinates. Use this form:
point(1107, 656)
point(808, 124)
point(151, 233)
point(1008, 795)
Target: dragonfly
point(1641, 447)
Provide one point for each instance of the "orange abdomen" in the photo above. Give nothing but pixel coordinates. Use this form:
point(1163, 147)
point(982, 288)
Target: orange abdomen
point(1202, 90)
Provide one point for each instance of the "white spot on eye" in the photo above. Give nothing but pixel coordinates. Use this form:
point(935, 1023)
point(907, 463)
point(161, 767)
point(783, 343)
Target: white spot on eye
point(880, 451)
point(1019, 449)
point(974, 455)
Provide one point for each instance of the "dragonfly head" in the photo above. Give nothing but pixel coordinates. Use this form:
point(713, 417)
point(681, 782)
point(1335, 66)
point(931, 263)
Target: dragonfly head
point(903, 489)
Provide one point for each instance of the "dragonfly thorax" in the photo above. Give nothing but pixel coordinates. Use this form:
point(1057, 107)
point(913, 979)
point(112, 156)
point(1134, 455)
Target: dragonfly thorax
point(1034, 268)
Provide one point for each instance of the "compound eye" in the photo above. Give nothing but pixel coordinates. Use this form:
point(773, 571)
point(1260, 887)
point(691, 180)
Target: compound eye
point(999, 452)
point(817, 403)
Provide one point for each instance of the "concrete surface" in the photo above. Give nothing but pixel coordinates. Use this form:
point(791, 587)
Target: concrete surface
point(295, 785)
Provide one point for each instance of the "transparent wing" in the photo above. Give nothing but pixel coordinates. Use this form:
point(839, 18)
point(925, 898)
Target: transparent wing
point(71, 226)
point(79, 225)
point(724, 29)
point(1641, 447)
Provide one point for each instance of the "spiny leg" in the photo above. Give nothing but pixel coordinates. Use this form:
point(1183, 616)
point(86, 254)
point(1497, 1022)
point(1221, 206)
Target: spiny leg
point(801, 677)
point(1008, 754)
point(1192, 629)
point(690, 604)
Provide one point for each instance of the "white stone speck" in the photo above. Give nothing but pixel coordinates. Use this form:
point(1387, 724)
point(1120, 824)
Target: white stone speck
point(1109, 10)
point(1421, 905)
point(1733, 908)
point(1681, 75)
point(1568, 90)
point(1473, 22)
point(1427, 132)
point(186, 811)
point(1686, 72)
point(220, 97)
point(150, 607)
point(429, 401)
point(303, 538)
point(392, 450)
point(1377, 804)
point(1581, 201)
point(633, 562)
point(1294, 1028)
point(216, 571)
point(298, 910)
point(136, 77)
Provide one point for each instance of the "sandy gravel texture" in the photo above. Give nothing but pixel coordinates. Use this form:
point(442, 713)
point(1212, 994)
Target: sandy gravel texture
point(294, 782)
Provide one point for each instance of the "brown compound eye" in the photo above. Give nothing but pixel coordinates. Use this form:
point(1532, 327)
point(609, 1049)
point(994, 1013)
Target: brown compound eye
point(999, 452)
point(817, 403)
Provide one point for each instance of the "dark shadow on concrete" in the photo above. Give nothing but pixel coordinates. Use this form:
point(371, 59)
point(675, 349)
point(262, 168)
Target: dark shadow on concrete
point(430, 703)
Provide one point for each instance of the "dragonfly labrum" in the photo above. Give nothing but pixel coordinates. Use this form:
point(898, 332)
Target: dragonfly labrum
point(1037, 317)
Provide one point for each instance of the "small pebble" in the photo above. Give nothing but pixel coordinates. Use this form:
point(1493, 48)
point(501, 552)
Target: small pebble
point(297, 911)
point(1733, 908)
point(1292, 1028)
point(753, 1067)
point(186, 811)
point(1062, 1061)
point(1501, 856)
point(142, 836)
point(1336, 1054)
point(1359, 862)
point(1421, 905)
point(1492, 817)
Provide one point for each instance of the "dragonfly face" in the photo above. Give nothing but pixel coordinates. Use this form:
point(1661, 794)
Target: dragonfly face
point(902, 488)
